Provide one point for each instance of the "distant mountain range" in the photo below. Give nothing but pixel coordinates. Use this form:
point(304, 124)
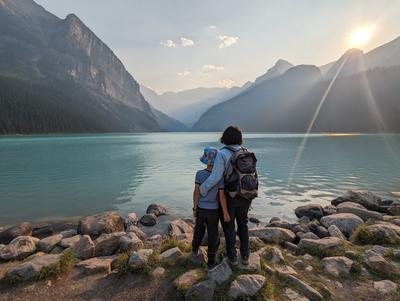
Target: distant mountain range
point(365, 97)
point(71, 80)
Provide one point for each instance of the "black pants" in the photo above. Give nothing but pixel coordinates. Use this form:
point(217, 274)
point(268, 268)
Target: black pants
point(238, 212)
point(209, 218)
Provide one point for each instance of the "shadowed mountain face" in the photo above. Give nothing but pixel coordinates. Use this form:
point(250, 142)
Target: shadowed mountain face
point(363, 102)
point(46, 52)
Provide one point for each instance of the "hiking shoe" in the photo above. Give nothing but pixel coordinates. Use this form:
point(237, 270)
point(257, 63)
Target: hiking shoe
point(195, 253)
point(212, 265)
point(233, 261)
point(245, 260)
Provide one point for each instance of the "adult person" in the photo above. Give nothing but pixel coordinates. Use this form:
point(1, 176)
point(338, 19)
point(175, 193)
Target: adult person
point(238, 207)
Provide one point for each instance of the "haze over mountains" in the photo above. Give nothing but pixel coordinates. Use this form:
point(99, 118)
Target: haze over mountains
point(57, 76)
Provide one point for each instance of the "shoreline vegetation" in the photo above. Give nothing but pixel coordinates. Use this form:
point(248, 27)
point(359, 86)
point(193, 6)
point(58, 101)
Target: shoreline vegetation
point(348, 248)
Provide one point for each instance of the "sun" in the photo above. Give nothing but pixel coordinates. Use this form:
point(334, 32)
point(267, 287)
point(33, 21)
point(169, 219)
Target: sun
point(360, 36)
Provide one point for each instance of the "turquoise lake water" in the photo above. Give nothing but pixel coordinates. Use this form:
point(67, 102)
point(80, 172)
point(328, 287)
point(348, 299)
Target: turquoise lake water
point(49, 177)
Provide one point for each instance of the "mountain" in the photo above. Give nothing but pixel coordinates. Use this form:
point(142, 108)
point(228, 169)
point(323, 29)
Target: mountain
point(351, 62)
point(280, 67)
point(64, 66)
point(188, 105)
point(363, 102)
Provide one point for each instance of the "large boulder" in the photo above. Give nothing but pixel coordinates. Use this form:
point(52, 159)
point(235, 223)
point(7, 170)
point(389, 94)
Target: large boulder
point(313, 211)
point(22, 229)
point(156, 209)
point(84, 247)
point(379, 264)
point(180, 230)
point(171, 254)
point(148, 220)
point(337, 266)
point(130, 242)
point(379, 233)
point(107, 244)
point(202, 291)
point(31, 269)
point(362, 197)
point(346, 222)
point(70, 242)
point(19, 248)
point(273, 234)
point(47, 244)
point(140, 257)
point(135, 229)
point(188, 279)
point(95, 225)
point(357, 209)
point(95, 265)
point(221, 273)
point(246, 286)
point(321, 247)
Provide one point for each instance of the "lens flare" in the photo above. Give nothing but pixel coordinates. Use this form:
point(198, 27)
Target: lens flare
point(360, 36)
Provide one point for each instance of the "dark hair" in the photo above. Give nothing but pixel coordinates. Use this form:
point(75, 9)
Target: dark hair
point(232, 135)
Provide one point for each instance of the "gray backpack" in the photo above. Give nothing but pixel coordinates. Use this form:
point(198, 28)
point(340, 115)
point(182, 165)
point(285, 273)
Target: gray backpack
point(241, 174)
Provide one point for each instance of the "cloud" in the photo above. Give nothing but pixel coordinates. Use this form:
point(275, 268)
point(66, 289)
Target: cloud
point(227, 83)
point(183, 73)
point(185, 42)
point(211, 67)
point(168, 44)
point(212, 27)
point(227, 41)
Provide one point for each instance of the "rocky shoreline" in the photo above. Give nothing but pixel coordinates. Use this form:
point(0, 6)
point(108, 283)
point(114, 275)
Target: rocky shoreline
point(349, 248)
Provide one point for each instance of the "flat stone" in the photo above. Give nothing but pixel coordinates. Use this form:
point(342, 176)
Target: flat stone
point(156, 209)
point(294, 296)
point(148, 220)
point(362, 197)
point(140, 257)
point(221, 273)
point(22, 229)
point(320, 246)
point(284, 269)
point(107, 243)
point(273, 234)
point(95, 225)
point(84, 248)
point(346, 222)
point(350, 205)
point(312, 211)
point(19, 248)
point(379, 264)
point(337, 265)
point(305, 289)
point(254, 263)
point(202, 291)
point(246, 286)
point(308, 235)
point(180, 230)
point(30, 269)
point(70, 242)
point(69, 233)
point(48, 243)
point(188, 279)
point(334, 231)
point(385, 286)
point(171, 254)
point(95, 265)
point(363, 213)
point(130, 242)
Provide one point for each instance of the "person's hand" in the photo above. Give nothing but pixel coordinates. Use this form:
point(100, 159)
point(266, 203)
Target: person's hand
point(227, 218)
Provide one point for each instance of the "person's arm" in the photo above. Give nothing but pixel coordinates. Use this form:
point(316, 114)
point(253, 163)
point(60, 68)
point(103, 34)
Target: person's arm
point(216, 175)
point(196, 196)
point(222, 200)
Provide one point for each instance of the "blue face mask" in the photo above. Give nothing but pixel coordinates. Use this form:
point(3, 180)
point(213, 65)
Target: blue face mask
point(209, 155)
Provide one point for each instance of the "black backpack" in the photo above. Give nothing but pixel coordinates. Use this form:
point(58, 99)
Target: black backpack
point(241, 174)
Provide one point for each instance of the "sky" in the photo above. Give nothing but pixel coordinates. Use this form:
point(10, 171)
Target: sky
point(174, 45)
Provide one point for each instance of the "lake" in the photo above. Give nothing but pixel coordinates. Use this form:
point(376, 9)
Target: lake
point(50, 177)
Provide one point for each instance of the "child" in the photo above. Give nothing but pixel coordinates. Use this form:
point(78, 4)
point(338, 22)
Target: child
point(206, 209)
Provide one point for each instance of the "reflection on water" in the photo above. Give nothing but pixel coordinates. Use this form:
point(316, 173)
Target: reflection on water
point(50, 177)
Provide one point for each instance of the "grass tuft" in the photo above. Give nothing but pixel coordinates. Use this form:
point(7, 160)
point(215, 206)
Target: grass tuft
point(172, 243)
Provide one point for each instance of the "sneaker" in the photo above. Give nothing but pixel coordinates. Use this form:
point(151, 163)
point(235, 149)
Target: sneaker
point(245, 260)
point(233, 261)
point(211, 266)
point(195, 253)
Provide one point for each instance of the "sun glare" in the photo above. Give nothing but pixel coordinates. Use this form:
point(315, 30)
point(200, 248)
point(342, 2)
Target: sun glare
point(360, 36)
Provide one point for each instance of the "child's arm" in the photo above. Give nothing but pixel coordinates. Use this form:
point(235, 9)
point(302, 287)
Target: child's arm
point(222, 199)
point(196, 195)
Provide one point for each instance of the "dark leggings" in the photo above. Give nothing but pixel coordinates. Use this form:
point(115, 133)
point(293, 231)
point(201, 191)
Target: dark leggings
point(209, 218)
point(238, 213)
